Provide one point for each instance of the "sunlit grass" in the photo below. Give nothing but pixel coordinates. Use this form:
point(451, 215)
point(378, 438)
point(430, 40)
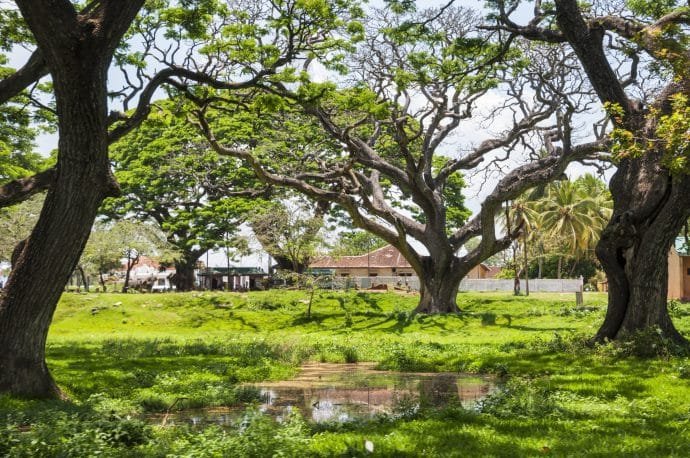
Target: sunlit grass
point(122, 355)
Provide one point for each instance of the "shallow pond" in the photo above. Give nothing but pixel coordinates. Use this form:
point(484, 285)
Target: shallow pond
point(325, 392)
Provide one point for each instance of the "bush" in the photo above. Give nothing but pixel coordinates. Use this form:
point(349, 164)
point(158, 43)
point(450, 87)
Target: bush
point(522, 398)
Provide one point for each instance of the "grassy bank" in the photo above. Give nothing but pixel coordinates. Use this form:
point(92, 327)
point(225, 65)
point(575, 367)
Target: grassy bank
point(120, 356)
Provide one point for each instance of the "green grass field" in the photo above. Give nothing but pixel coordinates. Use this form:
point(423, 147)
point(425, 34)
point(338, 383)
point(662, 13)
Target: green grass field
point(120, 357)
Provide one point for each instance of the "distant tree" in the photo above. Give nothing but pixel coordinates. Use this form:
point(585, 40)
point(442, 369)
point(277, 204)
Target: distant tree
point(289, 231)
point(168, 175)
point(103, 252)
point(569, 267)
point(355, 242)
point(16, 224)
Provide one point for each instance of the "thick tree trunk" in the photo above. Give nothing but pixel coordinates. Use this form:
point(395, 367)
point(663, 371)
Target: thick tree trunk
point(439, 285)
point(650, 210)
point(52, 251)
point(184, 272)
point(77, 49)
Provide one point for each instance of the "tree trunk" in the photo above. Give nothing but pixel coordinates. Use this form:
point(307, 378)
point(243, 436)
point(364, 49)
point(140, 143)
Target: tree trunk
point(56, 242)
point(560, 266)
point(84, 281)
point(439, 285)
point(184, 272)
point(526, 266)
point(650, 210)
point(131, 262)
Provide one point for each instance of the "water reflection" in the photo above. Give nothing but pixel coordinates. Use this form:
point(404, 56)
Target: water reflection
point(347, 392)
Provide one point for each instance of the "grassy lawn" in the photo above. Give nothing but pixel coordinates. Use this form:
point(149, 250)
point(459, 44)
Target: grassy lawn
point(122, 356)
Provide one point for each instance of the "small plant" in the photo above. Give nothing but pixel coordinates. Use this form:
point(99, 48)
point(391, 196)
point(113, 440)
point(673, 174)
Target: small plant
point(488, 319)
point(350, 355)
point(405, 406)
point(649, 343)
point(348, 319)
point(521, 398)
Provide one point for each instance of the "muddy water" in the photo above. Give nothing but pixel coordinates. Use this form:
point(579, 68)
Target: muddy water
point(346, 392)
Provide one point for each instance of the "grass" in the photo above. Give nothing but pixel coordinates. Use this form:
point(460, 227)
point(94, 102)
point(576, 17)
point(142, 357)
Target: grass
point(119, 356)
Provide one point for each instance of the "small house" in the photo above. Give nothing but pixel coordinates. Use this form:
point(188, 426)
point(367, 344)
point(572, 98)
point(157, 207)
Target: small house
point(384, 262)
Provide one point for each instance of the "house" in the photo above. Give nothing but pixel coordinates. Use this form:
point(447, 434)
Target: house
point(147, 273)
point(384, 262)
point(679, 271)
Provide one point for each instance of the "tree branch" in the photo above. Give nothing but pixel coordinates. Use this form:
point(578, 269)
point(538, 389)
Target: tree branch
point(34, 69)
point(21, 189)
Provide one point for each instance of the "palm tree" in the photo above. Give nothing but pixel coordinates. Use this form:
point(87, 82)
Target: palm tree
point(575, 213)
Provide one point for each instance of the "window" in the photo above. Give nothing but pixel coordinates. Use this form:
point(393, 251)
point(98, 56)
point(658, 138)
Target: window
point(373, 275)
point(344, 275)
point(688, 271)
point(161, 282)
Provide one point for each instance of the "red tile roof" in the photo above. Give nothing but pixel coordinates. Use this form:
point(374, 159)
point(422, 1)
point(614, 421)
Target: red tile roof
point(387, 256)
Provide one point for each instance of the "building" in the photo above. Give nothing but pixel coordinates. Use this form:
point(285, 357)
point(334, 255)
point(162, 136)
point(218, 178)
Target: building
point(384, 262)
point(148, 274)
point(234, 278)
point(679, 271)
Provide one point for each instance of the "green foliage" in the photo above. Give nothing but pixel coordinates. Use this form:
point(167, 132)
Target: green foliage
point(169, 175)
point(355, 243)
point(673, 130)
point(16, 224)
point(570, 267)
point(521, 398)
point(652, 8)
point(288, 231)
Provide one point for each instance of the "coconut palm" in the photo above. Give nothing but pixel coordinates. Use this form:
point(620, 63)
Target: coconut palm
point(575, 213)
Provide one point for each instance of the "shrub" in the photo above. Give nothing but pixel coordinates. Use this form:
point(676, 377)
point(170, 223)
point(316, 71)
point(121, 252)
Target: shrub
point(523, 398)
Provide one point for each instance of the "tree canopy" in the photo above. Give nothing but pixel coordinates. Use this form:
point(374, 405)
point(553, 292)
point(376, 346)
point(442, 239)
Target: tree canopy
point(412, 81)
point(169, 175)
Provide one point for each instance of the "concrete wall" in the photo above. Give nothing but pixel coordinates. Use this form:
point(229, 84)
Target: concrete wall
point(535, 285)
point(468, 284)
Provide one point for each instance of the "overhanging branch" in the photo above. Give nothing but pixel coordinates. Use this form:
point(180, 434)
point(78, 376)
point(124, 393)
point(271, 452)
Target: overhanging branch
point(21, 189)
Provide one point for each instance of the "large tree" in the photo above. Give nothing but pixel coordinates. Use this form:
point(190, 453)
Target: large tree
point(412, 82)
point(75, 47)
point(168, 174)
point(635, 56)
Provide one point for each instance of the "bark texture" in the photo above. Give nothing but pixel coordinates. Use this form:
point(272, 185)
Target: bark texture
point(634, 248)
point(439, 285)
point(77, 50)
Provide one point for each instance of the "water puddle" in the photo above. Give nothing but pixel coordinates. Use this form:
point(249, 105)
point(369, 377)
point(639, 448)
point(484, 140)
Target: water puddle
point(345, 392)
